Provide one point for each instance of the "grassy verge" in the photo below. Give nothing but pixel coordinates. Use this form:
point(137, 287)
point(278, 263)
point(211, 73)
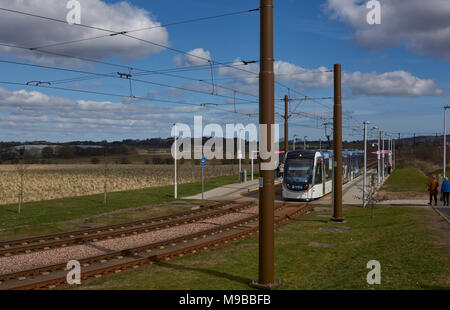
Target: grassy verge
point(403, 240)
point(36, 216)
point(406, 182)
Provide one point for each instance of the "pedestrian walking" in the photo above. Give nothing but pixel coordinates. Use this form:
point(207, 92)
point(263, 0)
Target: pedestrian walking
point(389, 167)
point(445, 191)
point(433, 186)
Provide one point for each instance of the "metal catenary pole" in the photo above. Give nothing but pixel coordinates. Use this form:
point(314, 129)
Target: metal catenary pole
point(304, 142)
point(295, 137)
point(337, 118)
point(266, 183)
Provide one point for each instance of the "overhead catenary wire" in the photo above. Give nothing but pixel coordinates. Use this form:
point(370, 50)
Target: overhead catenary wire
point(130, 78)
point(140, 29)
point(90, 60)
point(216, 106)
point(124, 33)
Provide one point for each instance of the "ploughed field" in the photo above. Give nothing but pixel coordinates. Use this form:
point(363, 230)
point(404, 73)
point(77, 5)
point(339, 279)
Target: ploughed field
point(44, 182)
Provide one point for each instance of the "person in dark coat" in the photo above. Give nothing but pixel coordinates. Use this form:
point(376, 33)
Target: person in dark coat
point(445, 190)
point(433, 187)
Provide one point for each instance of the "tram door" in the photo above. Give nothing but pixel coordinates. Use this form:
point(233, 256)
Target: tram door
point(319, 174)
point(324, 179)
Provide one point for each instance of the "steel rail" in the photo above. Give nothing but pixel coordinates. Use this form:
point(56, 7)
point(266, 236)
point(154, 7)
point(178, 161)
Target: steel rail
point(117, 230)
point(120, 254)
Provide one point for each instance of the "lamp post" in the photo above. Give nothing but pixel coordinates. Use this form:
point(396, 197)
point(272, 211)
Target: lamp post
point(240, 152)
point(304, 142)
point(393, 155)
point(382, 155)
point(365, 163)
point(445, 137)
point(378, 154)
point(252, 158)
point(391, 152)
point(175, 189)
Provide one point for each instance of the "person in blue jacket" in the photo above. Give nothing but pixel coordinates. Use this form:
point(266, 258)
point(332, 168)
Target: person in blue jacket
point(445, 190)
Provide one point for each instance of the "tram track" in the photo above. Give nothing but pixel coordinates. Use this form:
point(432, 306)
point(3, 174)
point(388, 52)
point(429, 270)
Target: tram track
point(47, 242)
point(54, 275)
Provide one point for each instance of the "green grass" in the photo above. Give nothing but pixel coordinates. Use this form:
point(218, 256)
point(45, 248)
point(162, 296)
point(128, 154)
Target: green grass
point(400, 238)
point(406, 179)
point(58, 210)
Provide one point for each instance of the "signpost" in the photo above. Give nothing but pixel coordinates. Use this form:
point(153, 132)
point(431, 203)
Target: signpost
point(203, 176)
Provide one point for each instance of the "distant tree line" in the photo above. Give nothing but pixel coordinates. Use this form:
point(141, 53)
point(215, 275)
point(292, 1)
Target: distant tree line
point(17, 154)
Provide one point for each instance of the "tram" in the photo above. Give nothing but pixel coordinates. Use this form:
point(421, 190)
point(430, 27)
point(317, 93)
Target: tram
point(308, 174)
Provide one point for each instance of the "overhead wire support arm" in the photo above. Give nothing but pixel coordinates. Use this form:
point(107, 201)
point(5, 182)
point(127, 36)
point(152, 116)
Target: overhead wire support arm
point(37, 83)
point(124, 75)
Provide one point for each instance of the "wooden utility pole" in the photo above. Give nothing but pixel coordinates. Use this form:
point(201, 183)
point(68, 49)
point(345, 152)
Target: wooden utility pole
point(266, 182)
point(337, 137)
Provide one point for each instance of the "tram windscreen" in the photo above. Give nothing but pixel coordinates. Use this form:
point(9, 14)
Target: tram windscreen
point(299, 170)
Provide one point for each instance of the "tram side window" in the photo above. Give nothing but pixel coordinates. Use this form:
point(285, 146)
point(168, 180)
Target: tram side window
point(318, 178)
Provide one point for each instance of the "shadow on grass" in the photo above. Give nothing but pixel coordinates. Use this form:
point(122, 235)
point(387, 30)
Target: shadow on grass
point(11, 211)
point(214, 273)
point(325, 221)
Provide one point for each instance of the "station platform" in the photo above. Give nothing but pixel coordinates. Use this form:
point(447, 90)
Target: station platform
point(352, 193)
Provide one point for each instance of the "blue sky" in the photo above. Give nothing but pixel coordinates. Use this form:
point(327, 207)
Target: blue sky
point(395, 74)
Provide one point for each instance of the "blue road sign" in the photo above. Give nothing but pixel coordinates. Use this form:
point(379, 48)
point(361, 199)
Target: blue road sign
point(203, 161)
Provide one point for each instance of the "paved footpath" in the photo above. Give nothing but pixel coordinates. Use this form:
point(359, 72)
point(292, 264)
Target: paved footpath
point(351, 191)
point(227, 190)
point(444, 212)
point(352, 195)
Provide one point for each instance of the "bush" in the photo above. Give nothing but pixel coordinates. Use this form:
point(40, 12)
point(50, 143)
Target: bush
point(168, 161)
point(157, 160)
point(124, 161)
point(95, 160)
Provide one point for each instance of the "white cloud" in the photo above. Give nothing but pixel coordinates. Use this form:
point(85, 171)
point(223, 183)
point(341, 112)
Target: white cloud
point(422, 26)
point(195, 57)
point(31, 32)
point(36, 116)
point(396, 83)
